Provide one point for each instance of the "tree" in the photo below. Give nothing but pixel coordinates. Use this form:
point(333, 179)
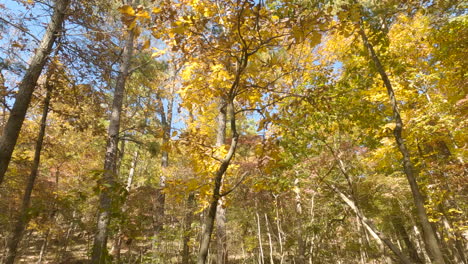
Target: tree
point(28, 83)
point(23, 217)
point(99, 254)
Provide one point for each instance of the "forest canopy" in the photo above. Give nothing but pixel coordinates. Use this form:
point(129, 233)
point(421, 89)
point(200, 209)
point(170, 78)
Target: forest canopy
point(243, 131)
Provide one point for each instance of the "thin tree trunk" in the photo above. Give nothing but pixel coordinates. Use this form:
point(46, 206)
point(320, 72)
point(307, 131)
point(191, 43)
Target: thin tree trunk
point(210, 217)
point(221, 238)
point(371, 228)
point(23, 217)
point(27, 85)
point(105, 199)
point(301, 243)
point(52, 217)
point(211, 212)
point(128, 187)
point(430, 238)
point(131, 172)
point(121, 152)
point(419, 243)
point(166, 122)
point(44, 246)
point(401, 230)
point(261, 257)
point(187, 229)
point(3, 95)
point(270, 243)
point(312, 220)
point(280, 231)
point(61, 252)
point(362, 254)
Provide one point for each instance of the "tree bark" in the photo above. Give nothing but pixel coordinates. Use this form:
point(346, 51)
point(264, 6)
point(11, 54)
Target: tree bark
point(261, 257)
point(128, 187)
point(401, 230)
point(211, 212)
point(429, 235)
point(26, 87)
point(23, 217)
point(166, 122)
point(108, 180)
point(371, 228)
point(280, 231)
point(221, 238)
point(270, 243)
point(187, 229)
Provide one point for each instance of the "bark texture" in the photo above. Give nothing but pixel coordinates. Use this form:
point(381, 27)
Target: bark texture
point(99, 252)
point(187, 229)
point(221, 238)
point(26, 87)
point(429, 235)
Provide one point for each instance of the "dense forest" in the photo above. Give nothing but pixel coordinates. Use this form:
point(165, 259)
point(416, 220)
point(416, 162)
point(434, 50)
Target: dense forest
point(240, 131)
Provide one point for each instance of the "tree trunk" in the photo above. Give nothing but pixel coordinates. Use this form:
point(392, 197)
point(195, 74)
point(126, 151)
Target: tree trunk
point(221, 238)
point(280, 231)
point(211, 212)
point(430, 238)
point(187, 229)
point(27, 85)
point(63, 250)
point(261, 257)
point(44, 246)
point(371, 228)
point(270, 243)
point(128, 187)
point(401, 230)
point(108, 180)
point(23, 217)
point(166, 122)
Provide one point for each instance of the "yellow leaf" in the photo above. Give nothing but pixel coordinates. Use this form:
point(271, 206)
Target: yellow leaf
point(146, 44)
point(453, 210)
point(158, 53)
point(127, 10)
point(157, 10)
point(143, 14)
point(315, 38)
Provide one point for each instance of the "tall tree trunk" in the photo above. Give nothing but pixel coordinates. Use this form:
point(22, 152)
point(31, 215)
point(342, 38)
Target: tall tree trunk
point(128, 186)
point(362, 253)
point(221, 238)
point(261, 257)
point(371, 228)
point(166, 122)
point(301, 242)
point(23, 217)
point(270, 243)
point(430, 238)
point(279, 229)
point(401, 230)
point(211, 212)
point(108, 180)
point(26, 87)
point(52, 216)
point(187, 229)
